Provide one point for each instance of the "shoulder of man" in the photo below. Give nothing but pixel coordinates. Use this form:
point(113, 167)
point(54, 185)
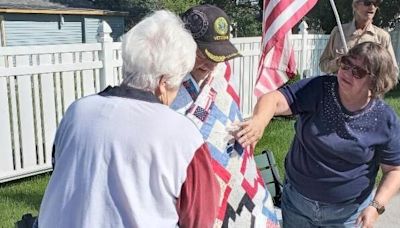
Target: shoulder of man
point(334, 30)
point(346, 29)
point(381, 33)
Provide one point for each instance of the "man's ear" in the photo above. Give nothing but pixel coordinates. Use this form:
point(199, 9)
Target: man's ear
point(163, 83)
point(161, 90)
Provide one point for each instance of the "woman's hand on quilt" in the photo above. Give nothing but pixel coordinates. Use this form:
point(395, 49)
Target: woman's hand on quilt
point(251, 131)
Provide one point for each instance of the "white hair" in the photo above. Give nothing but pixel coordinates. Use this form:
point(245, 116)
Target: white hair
point(157, 46)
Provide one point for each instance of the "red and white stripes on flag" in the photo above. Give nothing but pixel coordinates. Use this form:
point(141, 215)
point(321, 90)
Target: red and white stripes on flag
point(277, 63)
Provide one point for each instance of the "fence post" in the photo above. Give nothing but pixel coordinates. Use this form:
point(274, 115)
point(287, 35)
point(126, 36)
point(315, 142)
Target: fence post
point(106, 55)
point(304, 49)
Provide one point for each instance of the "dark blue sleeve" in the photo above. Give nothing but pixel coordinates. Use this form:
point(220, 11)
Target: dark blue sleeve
point(304, 95)
point(390, 152)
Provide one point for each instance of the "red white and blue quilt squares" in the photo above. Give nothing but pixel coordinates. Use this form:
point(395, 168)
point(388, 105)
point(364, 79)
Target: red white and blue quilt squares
point(244, 200)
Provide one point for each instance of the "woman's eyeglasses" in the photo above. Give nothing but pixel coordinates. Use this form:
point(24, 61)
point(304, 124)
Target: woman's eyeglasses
point(369, 2)
point(356, 71)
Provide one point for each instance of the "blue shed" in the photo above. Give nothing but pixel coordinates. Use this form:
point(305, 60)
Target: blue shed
point(39, 22)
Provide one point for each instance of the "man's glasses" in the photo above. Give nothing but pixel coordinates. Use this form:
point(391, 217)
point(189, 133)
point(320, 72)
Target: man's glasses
point(356, 71)
point(369, 3)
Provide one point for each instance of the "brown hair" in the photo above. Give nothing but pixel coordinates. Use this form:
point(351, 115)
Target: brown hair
point(379, 64)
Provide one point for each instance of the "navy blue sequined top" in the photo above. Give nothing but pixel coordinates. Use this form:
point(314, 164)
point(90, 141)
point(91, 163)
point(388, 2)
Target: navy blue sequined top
point(335, 154)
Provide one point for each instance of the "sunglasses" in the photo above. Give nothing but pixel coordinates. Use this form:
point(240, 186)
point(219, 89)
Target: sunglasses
point(369, 3)
point(356, 71)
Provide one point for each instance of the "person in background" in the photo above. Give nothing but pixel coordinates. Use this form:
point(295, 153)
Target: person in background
point(208, 97)
point(344, 132)
point(120, 157)
point(357, 31)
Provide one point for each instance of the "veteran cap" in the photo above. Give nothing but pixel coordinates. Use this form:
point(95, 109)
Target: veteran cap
point(210, 28)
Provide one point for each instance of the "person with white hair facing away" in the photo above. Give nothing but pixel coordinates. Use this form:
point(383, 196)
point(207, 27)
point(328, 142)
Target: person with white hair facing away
point(123, 158)
point(359, 30)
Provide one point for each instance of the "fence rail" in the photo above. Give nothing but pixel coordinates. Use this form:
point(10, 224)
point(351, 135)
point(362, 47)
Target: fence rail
point(38, 83)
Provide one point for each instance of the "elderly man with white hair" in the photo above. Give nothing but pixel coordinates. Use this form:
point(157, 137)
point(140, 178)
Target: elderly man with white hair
point(123, 157)
point(359, 30)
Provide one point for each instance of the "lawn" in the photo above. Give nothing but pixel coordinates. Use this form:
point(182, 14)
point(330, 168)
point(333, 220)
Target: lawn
point(24, 196)
point(20, 197)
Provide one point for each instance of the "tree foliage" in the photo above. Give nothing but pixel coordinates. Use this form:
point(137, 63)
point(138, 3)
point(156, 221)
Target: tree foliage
point(388, 13)
point(139, 8)
point(179, 6)
point(245, 17)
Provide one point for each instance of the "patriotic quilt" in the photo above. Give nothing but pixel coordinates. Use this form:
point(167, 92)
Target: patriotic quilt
point(244, 201)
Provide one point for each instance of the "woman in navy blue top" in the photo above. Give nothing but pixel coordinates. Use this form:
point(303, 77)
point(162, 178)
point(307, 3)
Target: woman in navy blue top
point(344, 133)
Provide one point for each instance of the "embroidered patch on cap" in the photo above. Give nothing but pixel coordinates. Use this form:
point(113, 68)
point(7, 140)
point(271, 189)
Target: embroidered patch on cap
point(221, 26)
point(197, 23)
point(210, 27)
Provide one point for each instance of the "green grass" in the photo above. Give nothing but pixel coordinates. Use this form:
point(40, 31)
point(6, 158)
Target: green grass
point(21, 197)
point(393, 99)
point(24, 196)
point(277, 138)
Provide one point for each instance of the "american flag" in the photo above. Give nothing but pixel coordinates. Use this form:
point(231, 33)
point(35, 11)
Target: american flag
point(277, 62)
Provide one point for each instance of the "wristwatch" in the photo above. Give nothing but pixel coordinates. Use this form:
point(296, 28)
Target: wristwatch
point(380, 208)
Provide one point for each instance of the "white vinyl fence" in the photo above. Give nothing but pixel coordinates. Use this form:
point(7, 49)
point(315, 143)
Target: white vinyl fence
point(38, 83)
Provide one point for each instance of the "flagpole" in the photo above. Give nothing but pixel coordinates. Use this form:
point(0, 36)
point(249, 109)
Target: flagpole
point(339, 24)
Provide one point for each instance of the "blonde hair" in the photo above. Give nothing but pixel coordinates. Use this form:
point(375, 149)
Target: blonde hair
point(379, 63)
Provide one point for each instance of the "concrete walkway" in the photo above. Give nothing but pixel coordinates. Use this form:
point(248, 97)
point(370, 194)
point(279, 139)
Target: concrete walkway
point(391, 217)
